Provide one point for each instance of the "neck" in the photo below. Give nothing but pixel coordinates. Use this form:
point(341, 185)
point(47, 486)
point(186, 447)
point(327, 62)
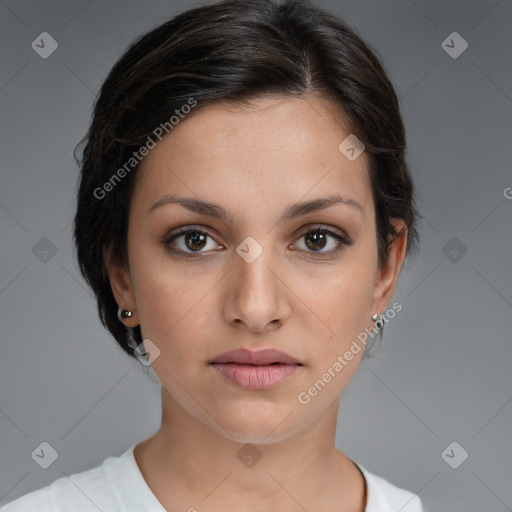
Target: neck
point(187, 458)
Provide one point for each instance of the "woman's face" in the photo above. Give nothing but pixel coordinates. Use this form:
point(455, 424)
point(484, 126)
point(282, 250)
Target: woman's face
point(260, 277)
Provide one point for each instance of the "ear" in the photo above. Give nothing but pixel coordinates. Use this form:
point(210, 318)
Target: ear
point(122, 288)
point(387, 274)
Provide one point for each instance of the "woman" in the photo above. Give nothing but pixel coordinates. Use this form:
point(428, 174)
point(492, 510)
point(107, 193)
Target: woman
point(244, 212)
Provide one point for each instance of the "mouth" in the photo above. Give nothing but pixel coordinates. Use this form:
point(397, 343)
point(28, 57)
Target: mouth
point(264, 357)
point(256, 370)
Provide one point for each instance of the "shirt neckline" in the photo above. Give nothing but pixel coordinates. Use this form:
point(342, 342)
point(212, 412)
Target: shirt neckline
point(137, 485)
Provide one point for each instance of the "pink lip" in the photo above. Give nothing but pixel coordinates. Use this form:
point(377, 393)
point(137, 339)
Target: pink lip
point(256, 377)
point(264, 356)
point(255, 370)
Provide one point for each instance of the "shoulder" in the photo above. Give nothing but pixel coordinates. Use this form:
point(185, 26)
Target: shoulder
point(383, 496)
point(81, 492)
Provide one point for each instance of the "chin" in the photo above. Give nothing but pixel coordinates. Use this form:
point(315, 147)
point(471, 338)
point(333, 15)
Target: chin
point(255, 423)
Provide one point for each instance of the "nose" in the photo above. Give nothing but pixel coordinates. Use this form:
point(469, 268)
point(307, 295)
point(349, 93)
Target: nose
point(257, 296)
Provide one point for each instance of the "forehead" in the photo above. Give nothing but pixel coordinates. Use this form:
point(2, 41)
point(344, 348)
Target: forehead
point(280, 147)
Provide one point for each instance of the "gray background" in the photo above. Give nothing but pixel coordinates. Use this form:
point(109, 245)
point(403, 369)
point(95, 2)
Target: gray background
point(442, 373)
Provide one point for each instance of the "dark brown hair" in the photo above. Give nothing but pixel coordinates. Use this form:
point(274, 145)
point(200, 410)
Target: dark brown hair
point(231, 51)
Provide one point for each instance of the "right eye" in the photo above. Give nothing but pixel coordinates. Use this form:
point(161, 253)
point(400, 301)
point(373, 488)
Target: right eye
point(192, 238)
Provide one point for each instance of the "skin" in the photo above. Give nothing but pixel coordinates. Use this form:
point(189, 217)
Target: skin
point(254, 162)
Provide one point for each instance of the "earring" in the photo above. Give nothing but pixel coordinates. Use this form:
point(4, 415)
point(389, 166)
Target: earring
point(379, 321)
point(379, 324)
point(124, 313)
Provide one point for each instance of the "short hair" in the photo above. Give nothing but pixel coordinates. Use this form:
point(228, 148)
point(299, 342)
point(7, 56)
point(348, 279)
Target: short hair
point(232, 51)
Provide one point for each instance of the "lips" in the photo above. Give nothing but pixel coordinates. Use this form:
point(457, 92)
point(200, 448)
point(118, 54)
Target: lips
point(255, 370)
point(264, 357)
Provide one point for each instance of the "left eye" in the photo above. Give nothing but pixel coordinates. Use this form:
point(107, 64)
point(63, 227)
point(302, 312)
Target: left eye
point(318, 239)
point(195, 240)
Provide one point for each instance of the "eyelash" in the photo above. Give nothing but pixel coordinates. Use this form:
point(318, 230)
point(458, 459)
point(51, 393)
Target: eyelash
point(342, 241)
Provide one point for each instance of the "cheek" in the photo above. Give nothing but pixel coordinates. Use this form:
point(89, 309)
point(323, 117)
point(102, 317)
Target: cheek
point(343, 308)
point(344, 304)
point(171, 300)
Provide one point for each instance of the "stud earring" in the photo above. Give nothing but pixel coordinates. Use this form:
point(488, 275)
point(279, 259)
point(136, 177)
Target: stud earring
point(379, 321)
point(124, 313)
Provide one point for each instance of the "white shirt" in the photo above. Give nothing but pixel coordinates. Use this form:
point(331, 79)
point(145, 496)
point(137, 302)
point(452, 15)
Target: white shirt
point(117, 485)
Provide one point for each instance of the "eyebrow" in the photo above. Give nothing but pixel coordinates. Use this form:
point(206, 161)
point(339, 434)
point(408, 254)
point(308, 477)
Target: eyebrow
point(216, 211)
